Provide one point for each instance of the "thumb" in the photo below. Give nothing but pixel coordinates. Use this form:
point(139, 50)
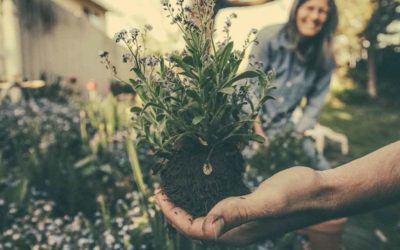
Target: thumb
point(227, 214)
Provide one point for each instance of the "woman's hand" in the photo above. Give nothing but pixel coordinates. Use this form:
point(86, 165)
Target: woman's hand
point(245, 219)
point(259, 131)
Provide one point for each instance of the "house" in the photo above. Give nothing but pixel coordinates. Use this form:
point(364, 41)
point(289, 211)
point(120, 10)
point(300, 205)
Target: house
point(94, 10)
point(56, 38)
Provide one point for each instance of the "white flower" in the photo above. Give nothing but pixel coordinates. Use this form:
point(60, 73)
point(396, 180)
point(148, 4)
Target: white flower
point(126, 57)
point(134, 33)
point(109, 238)
point(47, 208)
point(82, 242)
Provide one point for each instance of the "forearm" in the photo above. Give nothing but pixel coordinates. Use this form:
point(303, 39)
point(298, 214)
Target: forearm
point(311, 197)
point(364, 184)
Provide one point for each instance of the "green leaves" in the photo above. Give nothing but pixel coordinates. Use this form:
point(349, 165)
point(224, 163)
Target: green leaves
point(224, 54)
point(244, 75)
point(197, 95)
point(139, 73)
point(136, 109)
point(228, 90)
point(197, 120)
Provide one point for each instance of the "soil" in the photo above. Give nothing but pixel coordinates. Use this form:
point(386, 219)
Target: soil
point(185, 183)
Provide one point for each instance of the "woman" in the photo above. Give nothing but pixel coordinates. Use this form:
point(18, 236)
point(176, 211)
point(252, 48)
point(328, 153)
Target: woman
point(300, 53)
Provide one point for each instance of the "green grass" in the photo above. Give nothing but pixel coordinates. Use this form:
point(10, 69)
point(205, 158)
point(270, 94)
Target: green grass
point(369, 125)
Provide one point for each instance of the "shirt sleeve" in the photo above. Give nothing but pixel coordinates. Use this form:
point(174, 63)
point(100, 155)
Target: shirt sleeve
point(315, 102)
point(259, 53)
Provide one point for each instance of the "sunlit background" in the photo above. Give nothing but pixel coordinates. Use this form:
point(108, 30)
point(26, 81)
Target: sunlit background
point(139, 12)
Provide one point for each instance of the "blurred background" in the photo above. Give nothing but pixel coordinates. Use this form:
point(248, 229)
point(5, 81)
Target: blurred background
point(70, 174)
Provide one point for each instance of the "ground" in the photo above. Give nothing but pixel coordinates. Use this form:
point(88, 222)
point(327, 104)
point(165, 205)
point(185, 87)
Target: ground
point(369, 125)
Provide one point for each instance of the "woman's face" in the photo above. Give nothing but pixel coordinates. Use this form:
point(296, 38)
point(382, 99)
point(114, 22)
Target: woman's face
point(311, 17)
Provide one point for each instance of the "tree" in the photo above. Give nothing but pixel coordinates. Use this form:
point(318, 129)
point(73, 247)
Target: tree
point(386, 11)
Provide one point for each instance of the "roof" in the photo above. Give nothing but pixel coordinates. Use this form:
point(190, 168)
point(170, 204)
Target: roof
point(101, 4)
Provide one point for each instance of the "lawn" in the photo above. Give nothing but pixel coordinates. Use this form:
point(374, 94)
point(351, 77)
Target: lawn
point(368, 124)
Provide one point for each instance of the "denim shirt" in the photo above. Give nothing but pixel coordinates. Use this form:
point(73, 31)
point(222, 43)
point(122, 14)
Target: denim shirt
point(294, 80)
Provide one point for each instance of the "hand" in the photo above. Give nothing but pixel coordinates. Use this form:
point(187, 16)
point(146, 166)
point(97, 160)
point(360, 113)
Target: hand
point(259, 131)
point(244, 219)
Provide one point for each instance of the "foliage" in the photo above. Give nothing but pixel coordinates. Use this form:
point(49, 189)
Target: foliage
point(386, 12)
point(365, 135)
point(63, 153)
point(197, 95)
point(285, 150)
point(353, 18)
point(36, 227)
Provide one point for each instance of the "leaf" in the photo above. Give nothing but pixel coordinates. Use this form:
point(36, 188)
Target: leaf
point(265, 98)
point(179, 61)
point(136, 109)
point(162, 66)
point(227, 50)
point(202, 141)
point(85, 161)
point(197, 120)
point(169, 98)
point(89, 170)
point(193, 94)
point(139, 73)
point(257, 138)
point(152, 104)
point(228, 90)
point(157, 90)
point(244, 75)
point(160, 117)
point(188, 60)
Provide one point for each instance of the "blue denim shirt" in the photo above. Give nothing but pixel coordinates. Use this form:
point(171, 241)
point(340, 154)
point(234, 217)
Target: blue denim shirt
point(294, 80)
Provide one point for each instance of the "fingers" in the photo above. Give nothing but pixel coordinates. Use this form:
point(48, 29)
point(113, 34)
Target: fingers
point(227, 214)
point(181, 220)
point(243, 234)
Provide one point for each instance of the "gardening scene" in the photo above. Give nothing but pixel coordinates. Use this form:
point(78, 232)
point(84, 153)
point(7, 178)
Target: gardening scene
point(200, 124)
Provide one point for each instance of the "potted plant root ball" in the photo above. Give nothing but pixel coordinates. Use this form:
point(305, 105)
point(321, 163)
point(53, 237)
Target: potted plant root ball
point(197, 111)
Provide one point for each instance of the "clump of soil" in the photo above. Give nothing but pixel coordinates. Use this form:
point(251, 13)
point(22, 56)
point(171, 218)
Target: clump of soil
point(185, 183)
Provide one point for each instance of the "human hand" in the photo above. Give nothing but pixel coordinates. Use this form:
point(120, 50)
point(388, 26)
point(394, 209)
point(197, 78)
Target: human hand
point(259, 131)
point(267, 212)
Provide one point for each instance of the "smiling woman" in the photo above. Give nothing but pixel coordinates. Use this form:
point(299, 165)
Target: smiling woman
point(300, 52)
point(311, 17)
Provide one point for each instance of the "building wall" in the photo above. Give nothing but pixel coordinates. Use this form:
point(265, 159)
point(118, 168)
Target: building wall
point(70, 49)
point(10, 42)
point(97, 14)
point(2, 52)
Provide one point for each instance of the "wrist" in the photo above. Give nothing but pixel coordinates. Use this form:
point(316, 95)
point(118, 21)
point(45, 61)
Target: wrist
point(329, 193)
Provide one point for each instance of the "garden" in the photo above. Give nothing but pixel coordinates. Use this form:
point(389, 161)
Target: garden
point(79, 168)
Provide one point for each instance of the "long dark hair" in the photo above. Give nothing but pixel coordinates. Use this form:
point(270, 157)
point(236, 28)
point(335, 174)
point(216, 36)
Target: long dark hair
point(318, 51)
